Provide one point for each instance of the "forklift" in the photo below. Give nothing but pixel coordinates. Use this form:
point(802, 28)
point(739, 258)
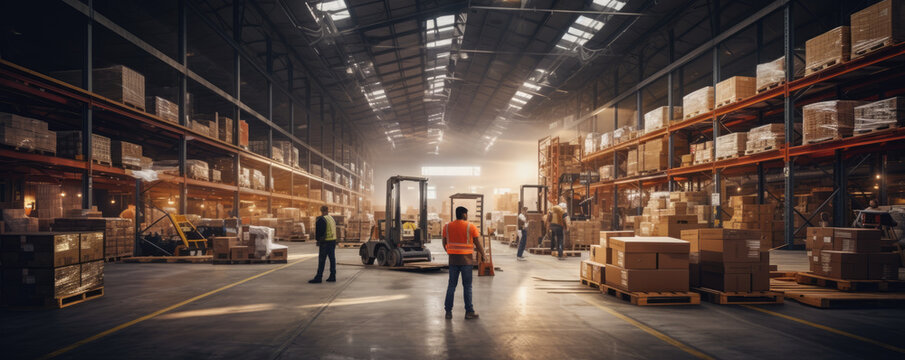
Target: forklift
point(396, 241)
point(188, 240)
point(475, 204)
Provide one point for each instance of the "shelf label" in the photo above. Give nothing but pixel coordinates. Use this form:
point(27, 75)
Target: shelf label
point(715, 198)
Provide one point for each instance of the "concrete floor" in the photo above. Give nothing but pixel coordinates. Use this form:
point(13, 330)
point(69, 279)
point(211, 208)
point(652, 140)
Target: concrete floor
point(165, 311)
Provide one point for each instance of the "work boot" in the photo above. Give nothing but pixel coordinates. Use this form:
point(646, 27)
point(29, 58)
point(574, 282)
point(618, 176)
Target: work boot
point(449, 314)
point(471, 315)
point(314, 281)
point(521, 258)
point(332, 278)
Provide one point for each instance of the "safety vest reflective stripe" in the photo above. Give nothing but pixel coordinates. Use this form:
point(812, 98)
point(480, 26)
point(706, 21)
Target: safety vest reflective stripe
point(458, 239)
point(330, 234)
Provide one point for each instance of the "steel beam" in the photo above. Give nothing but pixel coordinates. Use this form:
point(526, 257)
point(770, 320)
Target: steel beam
point(789, 120)
point(87, 111)
point(841, 185)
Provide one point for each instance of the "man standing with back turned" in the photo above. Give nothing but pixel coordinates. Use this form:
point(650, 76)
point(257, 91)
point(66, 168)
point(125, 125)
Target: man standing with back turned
point(460, 238)
point(325, 234)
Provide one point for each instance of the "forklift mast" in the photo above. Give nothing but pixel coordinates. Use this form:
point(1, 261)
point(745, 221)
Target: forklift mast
point(540, 191)
point(394, 231)
point(478, 211)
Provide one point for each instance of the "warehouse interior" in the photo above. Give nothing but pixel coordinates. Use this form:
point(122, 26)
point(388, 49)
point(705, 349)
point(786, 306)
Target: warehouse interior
point(645, 179)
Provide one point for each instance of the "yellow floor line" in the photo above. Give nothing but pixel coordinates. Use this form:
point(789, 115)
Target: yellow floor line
point(162, 311)
point(827, 328)
point(659, 335)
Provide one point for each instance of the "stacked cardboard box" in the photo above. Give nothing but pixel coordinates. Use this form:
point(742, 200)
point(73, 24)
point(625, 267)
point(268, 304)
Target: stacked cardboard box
point(828, 120)
point(126, 154)
point(830, 48)
point(735, 89)
point(698, 102)
point(221, 246)
point(728, 260)
point(26, 133)
point(605, 255)
point(585, 232)
point(69, 144)
point(658, 117)
point(731, 145)
point(243, 133)
point(38, 268)
point(48, 204)
point(764, 138)
point(118, 233)
point(648, 264)
point(606, 172)
point(593, 271)
point(687, 160)
point(258, 180)
point(117, 83)
point(850, 253)
point(623, 134)
point(163, 108)
point(285, 148)
point(224, 128)
point(655, 153)
point(877, 26)
point(883, 114)
point(747, 214)
point(534, 229)
point(591, 143)
point(631, 163)
point(358, 228)
point(773, 73)
point(703, 152)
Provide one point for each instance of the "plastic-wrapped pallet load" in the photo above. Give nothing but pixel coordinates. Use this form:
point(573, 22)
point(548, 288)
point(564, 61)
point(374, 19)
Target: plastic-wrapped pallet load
point(286, 150)
point(26, 133)
point(257, 180)
point(735, 89)
point(126, 154)
point(658, 117)
point(828, 120)
point(215, 176)
point(764, 138)
point(631, 161)
point(606, 140)
point(883, 114)
point(245, 177)
point(69, 144)
point(623, 134)
point(731, 145)
point(591, 143)
point(773, 73)
point(163, 108)
point(878, 25)
point(828, 49)
point(698, 102)
point(606, 172)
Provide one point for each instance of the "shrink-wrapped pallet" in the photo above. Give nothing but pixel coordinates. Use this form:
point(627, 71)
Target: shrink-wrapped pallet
point(828, 49)
point(698, 102)
point(828, 120)
point(773, 73)
point(658, 117)
point(163, 108)
point(878, 25)
point(878, 115)
point(735, 89)
point(731, 145)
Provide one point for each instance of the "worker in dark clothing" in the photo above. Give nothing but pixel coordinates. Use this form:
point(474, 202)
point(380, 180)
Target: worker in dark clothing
point(460, 239)
point(325, 234)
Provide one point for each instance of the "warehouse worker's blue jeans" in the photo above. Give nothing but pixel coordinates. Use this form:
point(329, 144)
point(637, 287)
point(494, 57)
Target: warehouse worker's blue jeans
point(522, 242)
point(454, 271)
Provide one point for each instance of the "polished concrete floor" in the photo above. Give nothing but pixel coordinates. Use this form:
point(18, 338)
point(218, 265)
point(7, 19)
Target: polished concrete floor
point(187, 311)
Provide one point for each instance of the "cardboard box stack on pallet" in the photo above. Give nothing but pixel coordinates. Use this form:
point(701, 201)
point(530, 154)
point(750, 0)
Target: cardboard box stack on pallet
point(631, 163)
point(535, 229)
point(728, 260)
point(828, 120)
point(654, 154)
point(665, 217)
point(659, 117)
point(118, 233)
point(879, 115)
point(69, 144)
point(698, 102)
point(24, 133)
point(703, 152)
point(591, 143)
point(126, 155)
point(772, 74)
point(747, 214)
point(252, 243)
point(624, 134)
point(735, 89)
point(731, 145)
point(40, 269)
point(765, 138)
point(163, 108)
point(584, 233)
point(606, 172)
point(828, 49)
point(359, 226)
point(648, 264)
point(877, 26)
point(850, 254)
point(594, 268)
point(117, 83)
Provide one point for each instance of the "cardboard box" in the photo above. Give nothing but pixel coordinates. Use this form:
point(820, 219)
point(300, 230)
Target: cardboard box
point(736, 282)
point(91, 246)
point(598, 272)
point(635, 280)
point(830, 48)
point(883, 114)
point(731, 251)
point(672, 261)
point(163, 108)
point(731, 145)
point(49, 249)
point(239, 252)
point(598, 254)
point(698, 102)
point(828, 120)
point(279, 254)
point(126, 154)
point(856, 240)
point(69, 144)
point(634, 260)
point(844, 265)
point(222, 245)
point(585, 270)
point(648, 245)
point(735, 89)
point(883, 266)
point(117, 83)
point(243, 133)
point(658, 118)
point(631, 163)
point(876, 26)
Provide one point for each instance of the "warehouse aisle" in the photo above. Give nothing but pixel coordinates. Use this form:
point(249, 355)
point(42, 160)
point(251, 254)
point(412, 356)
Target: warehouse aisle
point(371, 313)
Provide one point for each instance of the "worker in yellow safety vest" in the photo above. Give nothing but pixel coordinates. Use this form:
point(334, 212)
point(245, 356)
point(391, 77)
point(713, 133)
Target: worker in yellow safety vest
point(460, 238)
point(325, 234)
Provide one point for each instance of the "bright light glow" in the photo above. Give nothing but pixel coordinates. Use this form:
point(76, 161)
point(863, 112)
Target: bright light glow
point(500, 191)
point(591, 23)
point(569, 38)
point(446, 20)
point(438, 43)
point(451, 171)
point(524, 95)
point(531, 86)
point(431, 192)
point(613, 4)
point(357, 301)
point(62, 194)
point(226, 310)
point(336, 8)
point(520, 101)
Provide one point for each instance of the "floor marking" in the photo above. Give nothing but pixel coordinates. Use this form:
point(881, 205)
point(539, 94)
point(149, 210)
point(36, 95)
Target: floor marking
point(688, 349)
point(827, 328)
point(162, 311)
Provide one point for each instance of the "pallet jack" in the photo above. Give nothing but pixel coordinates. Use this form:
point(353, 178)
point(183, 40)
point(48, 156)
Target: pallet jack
point(187, 241)
point(485, 268)
point(396, 241)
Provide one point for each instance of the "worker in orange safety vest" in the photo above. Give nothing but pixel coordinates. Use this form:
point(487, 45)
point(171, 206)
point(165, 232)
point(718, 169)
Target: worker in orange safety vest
point(460, 238)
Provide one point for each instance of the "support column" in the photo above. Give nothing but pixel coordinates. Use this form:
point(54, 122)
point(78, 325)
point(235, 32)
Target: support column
point(182, 103)
point(883, 197)
point(789, 119)
point(87, 112)
point(840, 185)
point(761, 184)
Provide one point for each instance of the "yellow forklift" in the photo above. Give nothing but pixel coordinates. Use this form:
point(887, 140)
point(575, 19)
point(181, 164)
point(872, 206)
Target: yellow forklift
point(396, 241)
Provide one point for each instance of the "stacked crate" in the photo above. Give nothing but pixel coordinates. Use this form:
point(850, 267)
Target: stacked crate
point(731, 145)
point(735, 89)
point(877, 26)
point(879, 115)
point(69, 144)
point(163, 108)
point(657, 118)
point(850, 253)
point(728, 260)
point(828, 49)
point(698, 102)
point(828, 120)
point(747, 214)
point(358, 228)
point(126, 154)
point(25, 133)
point(648, 264)
point(118, 233)
point(40, 269)
point(765, 138)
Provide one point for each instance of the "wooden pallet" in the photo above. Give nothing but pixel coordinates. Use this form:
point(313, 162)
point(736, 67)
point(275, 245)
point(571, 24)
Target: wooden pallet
point(727, 102)
point(202, 259)
point(539, 251)
point(296, 239)
point(348, 245)
point(823, 66)
point(653, 298)
point(79, 297)
point(581, 247)
point(849, 285)
point(691, 115)
point(592, 284)
point(826, 298)
point(757, 151)
point(701, 162)
point(770, 86)
point(875, 47)
point(566, 253)
point(820, 140)
point(871, 131)
point(739, 298)
point(247, 261)
point(111, 259)
point(727, 157)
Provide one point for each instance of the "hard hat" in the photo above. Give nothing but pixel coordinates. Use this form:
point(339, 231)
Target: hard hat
point(562, 205)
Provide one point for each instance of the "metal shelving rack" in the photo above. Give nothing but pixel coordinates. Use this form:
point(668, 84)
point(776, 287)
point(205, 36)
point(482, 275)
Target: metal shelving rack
point(39, 90)
point(784, 100)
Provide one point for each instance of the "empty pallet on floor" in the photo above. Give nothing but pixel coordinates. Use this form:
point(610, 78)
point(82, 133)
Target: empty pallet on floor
point(739, 298)
point(826, 298)
point(653, 298)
